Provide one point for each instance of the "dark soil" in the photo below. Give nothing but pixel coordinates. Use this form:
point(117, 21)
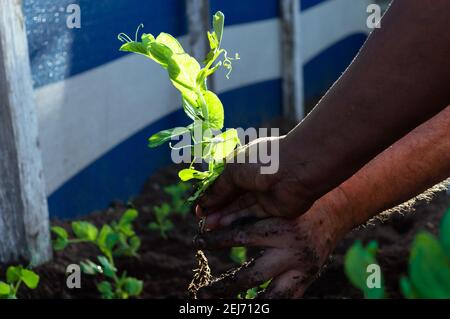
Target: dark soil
point(166, 265)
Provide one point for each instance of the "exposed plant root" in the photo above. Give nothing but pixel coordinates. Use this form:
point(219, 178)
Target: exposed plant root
point(202, 275)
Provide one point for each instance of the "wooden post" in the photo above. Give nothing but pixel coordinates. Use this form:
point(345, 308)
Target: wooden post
point(292, 65)
point(197, 13)
point(24, 221)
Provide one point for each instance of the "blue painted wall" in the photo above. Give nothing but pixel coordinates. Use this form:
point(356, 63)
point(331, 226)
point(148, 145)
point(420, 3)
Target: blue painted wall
point(57, 53)
point(121, 172)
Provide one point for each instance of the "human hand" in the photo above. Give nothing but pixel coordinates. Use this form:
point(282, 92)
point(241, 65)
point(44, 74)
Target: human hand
point(294, 251)
point(244, 190)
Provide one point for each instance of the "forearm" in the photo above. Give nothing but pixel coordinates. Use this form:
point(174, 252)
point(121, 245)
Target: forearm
point(413, 164)
point(398, 81)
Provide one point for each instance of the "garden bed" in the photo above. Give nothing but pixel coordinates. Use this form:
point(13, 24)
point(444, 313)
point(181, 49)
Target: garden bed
point(165, 265)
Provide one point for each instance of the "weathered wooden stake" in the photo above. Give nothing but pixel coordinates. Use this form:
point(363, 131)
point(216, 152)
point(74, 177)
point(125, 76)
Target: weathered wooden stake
point(292, 68)
point(197, 13)
point(24, 220)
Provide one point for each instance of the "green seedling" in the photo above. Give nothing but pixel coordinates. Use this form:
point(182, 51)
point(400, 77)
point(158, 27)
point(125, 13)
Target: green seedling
point(15, 276)
point(239, 256)
point(162, 223)
point(115, 240)
point(201, 105)
point(357, 260)
point(428, 270)
point(429, 265)
point(178, 194)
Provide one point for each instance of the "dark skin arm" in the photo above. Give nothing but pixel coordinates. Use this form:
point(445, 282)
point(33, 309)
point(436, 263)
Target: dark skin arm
point(295, 249)
point(399, 80)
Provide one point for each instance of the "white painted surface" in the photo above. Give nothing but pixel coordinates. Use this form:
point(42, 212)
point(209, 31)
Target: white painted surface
point(325, 24)
point(85, 116)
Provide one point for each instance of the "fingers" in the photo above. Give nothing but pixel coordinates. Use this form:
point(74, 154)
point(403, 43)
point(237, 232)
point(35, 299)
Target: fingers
point(236, 178)
point(289, 285)
point(250, 275)
point(271, 232)
point(254, 211)
point(220, 219)
point(223, 190)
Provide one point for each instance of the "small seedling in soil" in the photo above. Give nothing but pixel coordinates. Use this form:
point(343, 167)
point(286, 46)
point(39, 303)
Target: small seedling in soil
point(179, 193)
point(357, 260)
point(201, 105)
point(162, 223)
point(428, 271)
point(115, 240)
point(15, 276)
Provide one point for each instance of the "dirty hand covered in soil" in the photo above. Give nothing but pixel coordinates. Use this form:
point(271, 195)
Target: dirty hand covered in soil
point(294, 251)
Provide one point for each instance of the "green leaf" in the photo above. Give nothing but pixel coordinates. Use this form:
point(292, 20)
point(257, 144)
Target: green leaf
point(215, 110)
point(105, 288)
point(30, 278)
point(190, 110)
point(135, 47)
point(62, 238)
point(445, 233)
point(60, 232)
point(183, 70)
point(5, 289)
point(90, 268)
point(213, 44)
point(162, 211)
point(266, 284)
point(223, 145)
point(238, 255)
point(189, 173)
point(170, 42)
point(107, 240)
point(133, 286)
point(147, 38)
point(129, 216)
point(59, 244)
point(125, 224)
point(251, 293)
point(166, 135)
point(407, 289)
point(108, 269)
point(429, 268)
point(160, 53)
point(218, 24)
point(13, 274)
point(85, 230)
point(357, 259)
point(135, 243)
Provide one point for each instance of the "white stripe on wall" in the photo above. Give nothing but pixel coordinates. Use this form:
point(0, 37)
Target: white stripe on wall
point(326, 24)
point(85, 116)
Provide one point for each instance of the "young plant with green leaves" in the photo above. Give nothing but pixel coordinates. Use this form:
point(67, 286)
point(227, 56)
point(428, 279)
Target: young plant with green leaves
point(201, 105)
point(357, 260)
point(428, 270)
point(178, 194)
point(15, 276)
point(114, 240)
point(162, 223)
